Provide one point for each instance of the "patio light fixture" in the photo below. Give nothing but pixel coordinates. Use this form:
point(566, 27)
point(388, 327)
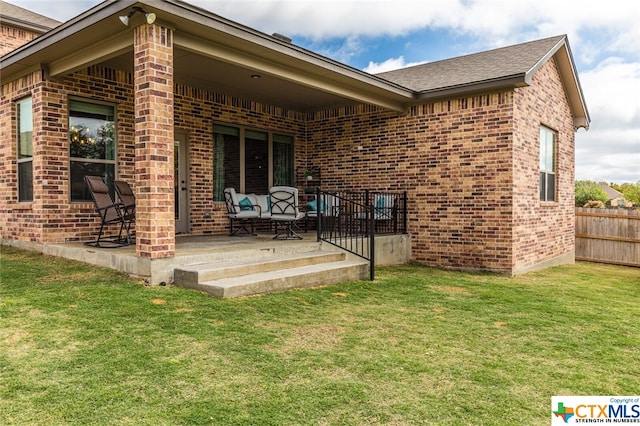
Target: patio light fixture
point(151, 17)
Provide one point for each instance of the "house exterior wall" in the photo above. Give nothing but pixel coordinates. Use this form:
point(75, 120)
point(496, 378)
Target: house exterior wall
point(11, 38)
point(454, 159)
point(196, 111)
point(51, 217)
point(18, 221)
point(543, 232)
point(471, 169)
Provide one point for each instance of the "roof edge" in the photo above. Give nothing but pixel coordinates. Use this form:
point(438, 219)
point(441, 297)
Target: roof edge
point(25, 25)
point(515, 80)
point(84, 20)
point(570, 80)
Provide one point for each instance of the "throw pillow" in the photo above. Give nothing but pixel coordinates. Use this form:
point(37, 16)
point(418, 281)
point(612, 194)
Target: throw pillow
point(381, 204)
point(246, 204)
point(313, 205)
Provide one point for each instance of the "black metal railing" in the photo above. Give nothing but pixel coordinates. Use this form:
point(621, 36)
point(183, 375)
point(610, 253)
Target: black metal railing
point(351, 219)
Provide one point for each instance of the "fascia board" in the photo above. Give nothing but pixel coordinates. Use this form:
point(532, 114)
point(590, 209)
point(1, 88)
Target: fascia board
point(562, 53)
point(517, 80)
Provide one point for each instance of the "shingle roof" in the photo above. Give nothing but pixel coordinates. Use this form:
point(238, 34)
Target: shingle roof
point(16, 16)
point(484, 67)
point(611, 193)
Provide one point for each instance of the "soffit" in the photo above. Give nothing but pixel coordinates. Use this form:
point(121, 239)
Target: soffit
point(203, 72)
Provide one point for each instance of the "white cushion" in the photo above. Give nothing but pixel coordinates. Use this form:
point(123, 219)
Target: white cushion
point(263, 202)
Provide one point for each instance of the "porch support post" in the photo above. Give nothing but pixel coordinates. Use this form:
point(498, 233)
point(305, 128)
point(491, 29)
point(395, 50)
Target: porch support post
point(154, 139)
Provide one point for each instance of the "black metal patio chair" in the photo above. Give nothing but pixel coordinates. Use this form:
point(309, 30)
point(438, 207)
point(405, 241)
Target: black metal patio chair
point(284, 208)
point(241, 212)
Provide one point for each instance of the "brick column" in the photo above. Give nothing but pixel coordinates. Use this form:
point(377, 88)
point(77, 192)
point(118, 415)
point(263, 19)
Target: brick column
point(154, 138)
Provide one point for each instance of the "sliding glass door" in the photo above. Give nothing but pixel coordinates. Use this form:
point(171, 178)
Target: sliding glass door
point(249, 160)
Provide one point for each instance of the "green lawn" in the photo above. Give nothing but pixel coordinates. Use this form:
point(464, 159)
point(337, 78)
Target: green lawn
point(84, 345)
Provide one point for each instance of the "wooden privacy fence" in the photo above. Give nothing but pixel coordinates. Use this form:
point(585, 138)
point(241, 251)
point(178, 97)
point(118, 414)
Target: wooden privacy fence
point(609, 236)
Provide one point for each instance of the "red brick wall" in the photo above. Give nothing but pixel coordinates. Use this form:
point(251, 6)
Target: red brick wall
point(543, 231)
point(12, 38)
point(18, 221)
point(51, 217)
point(454, 159)
point(154, 138)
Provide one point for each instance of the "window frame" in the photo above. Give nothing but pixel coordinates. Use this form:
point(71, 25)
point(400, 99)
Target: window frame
point(113, 162)
point(27, 159)
point(242, 136)
point(548, 177)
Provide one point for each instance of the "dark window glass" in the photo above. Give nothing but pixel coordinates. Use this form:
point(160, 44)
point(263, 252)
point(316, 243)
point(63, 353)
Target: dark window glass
point(256, 162)
point(92, 145)
point(226, 160)
point(283, 160)
point(547, 164)
point(25, 149)
point(79, 190)
point(252, 172)
point(25, 179)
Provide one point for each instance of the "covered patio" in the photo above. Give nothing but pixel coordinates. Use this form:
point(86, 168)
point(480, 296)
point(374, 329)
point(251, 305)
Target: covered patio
point(162, 84)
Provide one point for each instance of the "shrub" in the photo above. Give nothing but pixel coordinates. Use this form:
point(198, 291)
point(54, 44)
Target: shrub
point(587, 190)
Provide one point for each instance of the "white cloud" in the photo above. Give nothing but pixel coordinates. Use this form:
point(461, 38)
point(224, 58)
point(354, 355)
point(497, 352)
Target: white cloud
point(389, 65)
point(613, 91)
point(610, 150)
point(488, 19)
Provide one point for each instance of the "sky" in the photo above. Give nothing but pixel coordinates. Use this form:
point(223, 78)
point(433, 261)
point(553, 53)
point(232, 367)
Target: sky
point(381, 35)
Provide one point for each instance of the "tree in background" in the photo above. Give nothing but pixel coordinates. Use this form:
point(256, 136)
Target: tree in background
point(588, 190)
point(631, 191)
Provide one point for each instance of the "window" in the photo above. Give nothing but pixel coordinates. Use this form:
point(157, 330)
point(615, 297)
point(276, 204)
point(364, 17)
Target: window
point(251, 161)
point(547, 164)
point(25, 149)
point(92, 145)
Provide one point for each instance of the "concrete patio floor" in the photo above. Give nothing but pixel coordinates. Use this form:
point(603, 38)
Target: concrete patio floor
point(190, 250)
point(211, 249)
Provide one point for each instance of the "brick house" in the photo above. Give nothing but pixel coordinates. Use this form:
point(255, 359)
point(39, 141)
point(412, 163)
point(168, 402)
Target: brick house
point(184, 102)
point(616, 198)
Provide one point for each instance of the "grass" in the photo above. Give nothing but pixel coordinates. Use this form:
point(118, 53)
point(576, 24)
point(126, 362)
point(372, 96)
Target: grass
point(83, 345)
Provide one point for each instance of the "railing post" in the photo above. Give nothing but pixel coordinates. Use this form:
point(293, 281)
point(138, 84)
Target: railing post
point(319, 214)
point(372, 245)
point(404, 212)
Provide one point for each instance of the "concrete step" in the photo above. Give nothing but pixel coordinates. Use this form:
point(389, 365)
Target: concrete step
point(192, 274)
point(313, 275)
